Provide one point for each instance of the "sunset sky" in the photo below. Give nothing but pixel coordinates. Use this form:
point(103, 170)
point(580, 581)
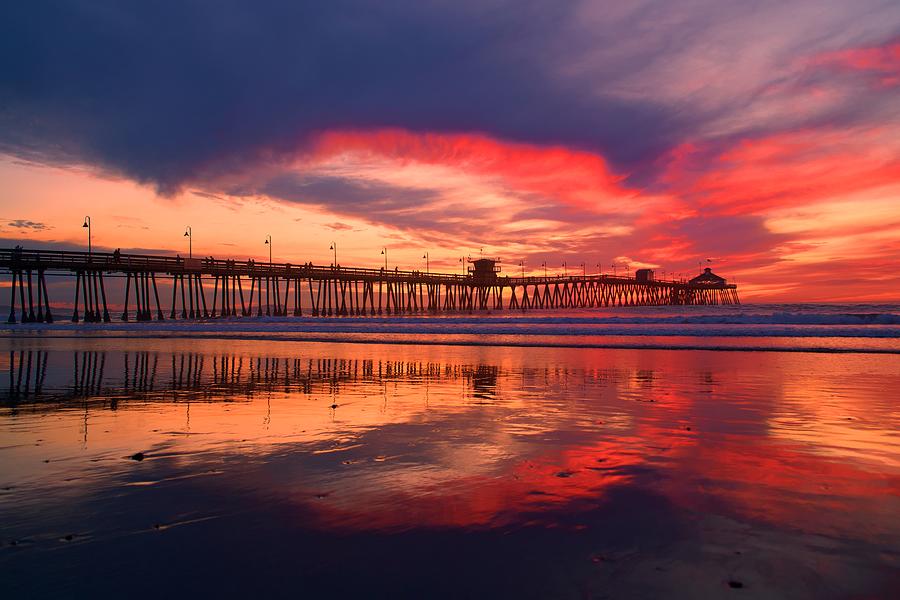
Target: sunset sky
point(762, 135)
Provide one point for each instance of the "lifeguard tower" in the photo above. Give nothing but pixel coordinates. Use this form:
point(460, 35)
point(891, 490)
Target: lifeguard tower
point(484, 269)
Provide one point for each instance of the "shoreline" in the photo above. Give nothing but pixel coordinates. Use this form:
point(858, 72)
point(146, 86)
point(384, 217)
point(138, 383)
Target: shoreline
point(222, 335)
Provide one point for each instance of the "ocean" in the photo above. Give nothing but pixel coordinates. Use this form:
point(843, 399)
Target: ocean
point(785, 327)
point(685, 452)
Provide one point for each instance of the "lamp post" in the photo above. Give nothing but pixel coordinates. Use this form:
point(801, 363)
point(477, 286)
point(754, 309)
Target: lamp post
point(87, 223)
point(190, 236)
point(565, 270)
point(269, 244)
point(522, 264)
point(544, 264)
point(334, 247)
point(583, 271)
point(425, 256)
point(599, 270)
point(462, 261)
point(384, 253)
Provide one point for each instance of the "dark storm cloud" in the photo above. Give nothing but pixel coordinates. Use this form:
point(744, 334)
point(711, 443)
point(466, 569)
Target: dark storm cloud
point(339, 193)
point(406, 208)
point(160, 90)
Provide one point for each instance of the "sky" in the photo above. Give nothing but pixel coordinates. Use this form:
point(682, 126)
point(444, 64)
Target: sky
point(761, 136)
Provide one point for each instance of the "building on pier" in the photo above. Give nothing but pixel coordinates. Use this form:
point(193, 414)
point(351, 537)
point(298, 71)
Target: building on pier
point(484, 269)
point(707, 277)
point(643, 275)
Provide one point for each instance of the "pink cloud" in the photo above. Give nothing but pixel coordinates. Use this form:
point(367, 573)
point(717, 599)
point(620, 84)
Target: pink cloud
point(883, 62)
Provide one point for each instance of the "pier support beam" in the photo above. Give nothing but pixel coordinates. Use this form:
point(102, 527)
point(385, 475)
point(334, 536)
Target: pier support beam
point(12, 301)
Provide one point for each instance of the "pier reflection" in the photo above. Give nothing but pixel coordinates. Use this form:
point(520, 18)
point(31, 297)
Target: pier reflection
point(594, 452)
point(96, 376)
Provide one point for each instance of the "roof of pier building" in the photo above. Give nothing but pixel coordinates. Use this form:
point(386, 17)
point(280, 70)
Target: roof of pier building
point(707, 277)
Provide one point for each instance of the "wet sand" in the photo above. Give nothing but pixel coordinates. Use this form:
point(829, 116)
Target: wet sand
point(245, 467)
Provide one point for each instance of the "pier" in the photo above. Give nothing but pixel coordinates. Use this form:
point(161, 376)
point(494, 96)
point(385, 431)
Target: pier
point(205, 288)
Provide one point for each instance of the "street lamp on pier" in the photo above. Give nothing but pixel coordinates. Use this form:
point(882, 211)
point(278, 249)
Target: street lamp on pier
point(87, 224)
point(522, 264)
point(269, 244)
point(583, 271)
point(565, 270)
point(190, 236)
point(334, 248)
point(425, 256)
point(384, 253)
point(544, 264)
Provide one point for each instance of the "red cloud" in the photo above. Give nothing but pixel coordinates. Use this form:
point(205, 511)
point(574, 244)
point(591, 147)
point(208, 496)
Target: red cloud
point(579, 179)
point(783, 170)
point(747, 203)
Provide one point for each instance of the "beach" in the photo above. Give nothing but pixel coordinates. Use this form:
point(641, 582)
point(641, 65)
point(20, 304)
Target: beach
point(218, 462)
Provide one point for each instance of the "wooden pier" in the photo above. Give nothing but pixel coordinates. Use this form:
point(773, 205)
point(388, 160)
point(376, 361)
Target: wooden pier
point(205, 288)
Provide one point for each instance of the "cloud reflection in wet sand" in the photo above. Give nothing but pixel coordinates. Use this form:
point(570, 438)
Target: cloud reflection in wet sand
point(528, 471)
